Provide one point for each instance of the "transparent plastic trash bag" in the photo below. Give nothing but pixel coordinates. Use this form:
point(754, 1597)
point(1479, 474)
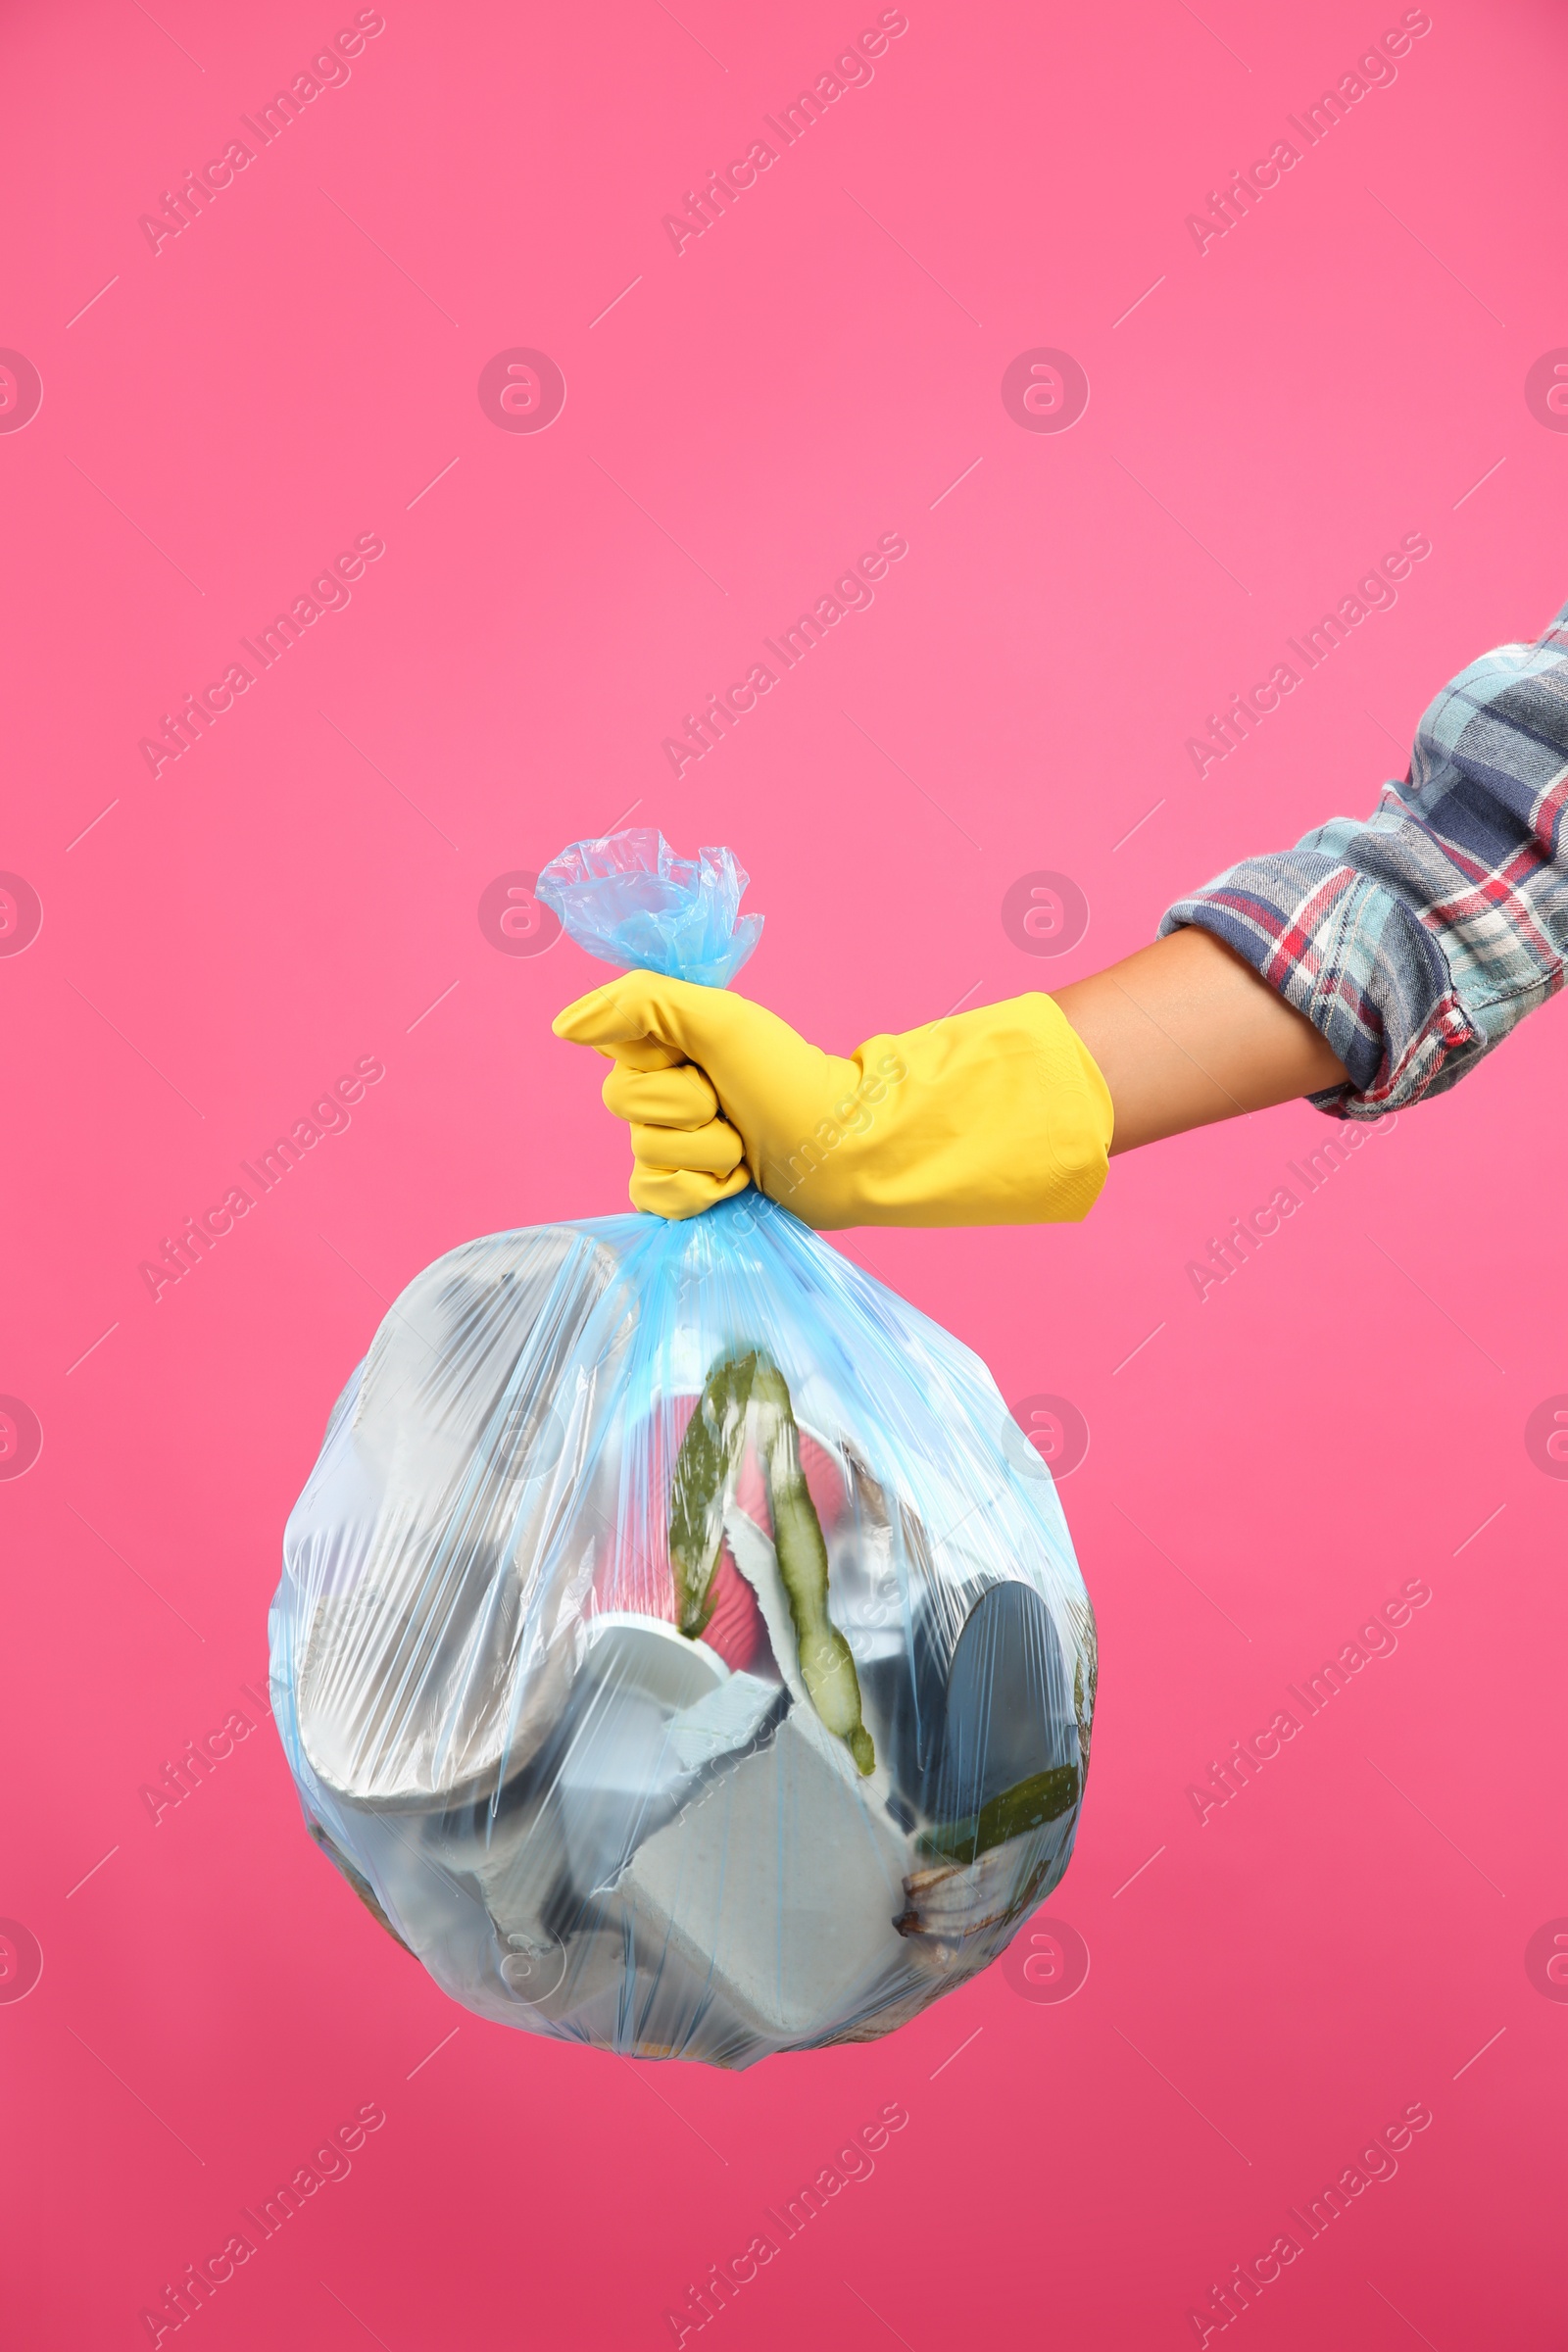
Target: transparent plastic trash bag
point(680, 1647)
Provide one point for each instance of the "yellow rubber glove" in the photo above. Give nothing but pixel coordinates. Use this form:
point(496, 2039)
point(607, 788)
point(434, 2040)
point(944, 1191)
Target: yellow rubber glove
point(992, 1117)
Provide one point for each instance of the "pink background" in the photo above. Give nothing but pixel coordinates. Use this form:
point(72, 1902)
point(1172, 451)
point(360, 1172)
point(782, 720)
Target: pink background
point(219, 943)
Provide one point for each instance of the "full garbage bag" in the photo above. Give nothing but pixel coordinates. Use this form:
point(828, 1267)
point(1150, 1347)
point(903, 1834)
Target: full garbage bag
point(679, 1646)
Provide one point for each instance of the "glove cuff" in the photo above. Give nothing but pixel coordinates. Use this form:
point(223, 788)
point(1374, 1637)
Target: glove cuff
point(1079, 1116)
point(998, 1116)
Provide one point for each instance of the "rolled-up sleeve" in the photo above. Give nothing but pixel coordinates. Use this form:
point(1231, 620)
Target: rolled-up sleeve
point(1417, 938)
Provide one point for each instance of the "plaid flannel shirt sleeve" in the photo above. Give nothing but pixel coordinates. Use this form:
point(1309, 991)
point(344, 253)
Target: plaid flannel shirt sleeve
point(1417, 938)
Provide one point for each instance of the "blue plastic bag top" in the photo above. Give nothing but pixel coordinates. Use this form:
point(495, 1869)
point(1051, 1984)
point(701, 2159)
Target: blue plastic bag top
point(628, 898)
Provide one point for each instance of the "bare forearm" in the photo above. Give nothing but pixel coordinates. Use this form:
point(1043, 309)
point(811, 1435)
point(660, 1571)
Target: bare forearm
point(1185, 1032)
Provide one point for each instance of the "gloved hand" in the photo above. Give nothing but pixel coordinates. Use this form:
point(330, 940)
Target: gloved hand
point(992, 1117)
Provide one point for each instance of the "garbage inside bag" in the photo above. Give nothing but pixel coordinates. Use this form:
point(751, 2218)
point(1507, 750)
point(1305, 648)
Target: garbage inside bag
point(679, 1647)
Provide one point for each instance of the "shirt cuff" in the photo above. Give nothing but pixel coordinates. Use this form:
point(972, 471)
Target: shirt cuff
point(1352, 957)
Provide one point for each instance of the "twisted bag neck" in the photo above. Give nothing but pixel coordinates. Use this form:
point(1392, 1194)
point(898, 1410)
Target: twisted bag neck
point(629, 900)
